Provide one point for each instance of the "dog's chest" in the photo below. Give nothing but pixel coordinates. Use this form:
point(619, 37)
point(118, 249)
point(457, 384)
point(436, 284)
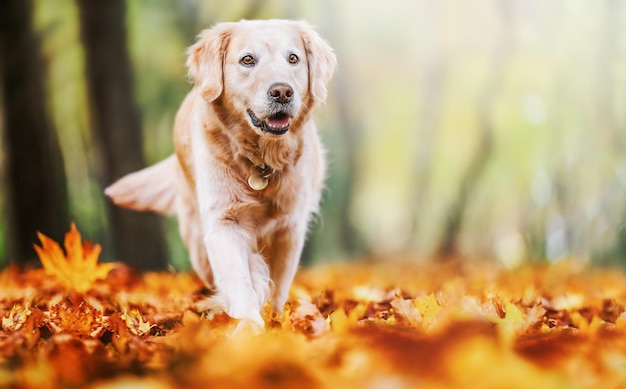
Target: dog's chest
point(261, 216)
point(274, 204)
point(281, 194)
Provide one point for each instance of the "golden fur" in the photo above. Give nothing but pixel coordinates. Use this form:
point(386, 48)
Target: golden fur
point(243, 242)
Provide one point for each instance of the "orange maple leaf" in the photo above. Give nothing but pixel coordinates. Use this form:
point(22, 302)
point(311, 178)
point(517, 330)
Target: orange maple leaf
point(78, 267)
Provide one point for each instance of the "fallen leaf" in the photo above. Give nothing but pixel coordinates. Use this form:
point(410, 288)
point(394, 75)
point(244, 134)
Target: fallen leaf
point(76, 269)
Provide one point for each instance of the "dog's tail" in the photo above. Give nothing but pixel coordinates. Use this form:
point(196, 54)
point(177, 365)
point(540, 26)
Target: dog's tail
point(149, 189)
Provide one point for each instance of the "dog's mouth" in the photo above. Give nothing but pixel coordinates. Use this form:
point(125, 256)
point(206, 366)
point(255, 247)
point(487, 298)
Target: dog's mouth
point(276, 124)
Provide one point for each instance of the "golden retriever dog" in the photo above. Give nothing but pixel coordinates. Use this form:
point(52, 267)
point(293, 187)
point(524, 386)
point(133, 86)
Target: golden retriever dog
point(248, 168)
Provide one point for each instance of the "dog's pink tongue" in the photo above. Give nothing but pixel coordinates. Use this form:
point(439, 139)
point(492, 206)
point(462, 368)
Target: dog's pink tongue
point(279, 123)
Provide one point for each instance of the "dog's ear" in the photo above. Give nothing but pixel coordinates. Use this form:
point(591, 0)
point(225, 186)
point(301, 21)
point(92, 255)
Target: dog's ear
point(205, 60)
point(321, 60)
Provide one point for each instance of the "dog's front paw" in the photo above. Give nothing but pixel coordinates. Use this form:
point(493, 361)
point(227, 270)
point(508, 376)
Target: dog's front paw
point(250, 321)
point(250, 327)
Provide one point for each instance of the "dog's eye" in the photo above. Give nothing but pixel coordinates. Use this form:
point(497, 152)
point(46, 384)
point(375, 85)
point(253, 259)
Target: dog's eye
point(293, 59)
point(247, 60)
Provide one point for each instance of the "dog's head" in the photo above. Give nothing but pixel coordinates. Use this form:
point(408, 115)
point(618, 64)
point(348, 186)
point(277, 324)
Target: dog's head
point(270, 72)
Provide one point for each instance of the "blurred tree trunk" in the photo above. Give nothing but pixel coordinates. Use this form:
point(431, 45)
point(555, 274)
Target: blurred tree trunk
point(606, 89)
point(348, 124)
point(138, 238)
point(428, 120)
point(449, 245)
point(36, 183)
point(341, 235)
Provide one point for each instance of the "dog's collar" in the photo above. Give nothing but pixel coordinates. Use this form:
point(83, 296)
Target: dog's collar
point(260, 180)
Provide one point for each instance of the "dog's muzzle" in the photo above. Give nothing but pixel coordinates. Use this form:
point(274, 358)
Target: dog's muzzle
point(276, 124)
point(279, 110)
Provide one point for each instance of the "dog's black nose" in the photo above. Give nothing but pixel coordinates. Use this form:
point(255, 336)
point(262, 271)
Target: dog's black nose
point(280, 92)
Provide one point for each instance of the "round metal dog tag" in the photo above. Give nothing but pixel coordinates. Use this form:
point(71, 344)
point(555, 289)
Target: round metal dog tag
point(257, 182)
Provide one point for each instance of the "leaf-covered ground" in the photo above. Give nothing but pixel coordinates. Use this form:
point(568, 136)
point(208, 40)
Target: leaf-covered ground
point(77, 323)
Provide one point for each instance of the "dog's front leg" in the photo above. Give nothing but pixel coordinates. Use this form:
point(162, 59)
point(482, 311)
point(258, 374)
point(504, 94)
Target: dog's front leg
point(229, 253)
point(227, 242)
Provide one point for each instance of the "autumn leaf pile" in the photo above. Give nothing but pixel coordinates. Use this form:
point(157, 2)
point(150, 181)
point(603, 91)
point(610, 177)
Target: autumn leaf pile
point(79, 323)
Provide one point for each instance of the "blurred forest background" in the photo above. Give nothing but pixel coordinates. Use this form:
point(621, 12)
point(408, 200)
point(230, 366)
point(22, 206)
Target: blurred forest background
point(474, 129)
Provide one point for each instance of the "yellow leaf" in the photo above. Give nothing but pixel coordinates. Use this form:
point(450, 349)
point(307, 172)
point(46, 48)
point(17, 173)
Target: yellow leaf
point(339, 321)
point(78, 267)
point(512, 323)
point(429, 308)
point(135, 323)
